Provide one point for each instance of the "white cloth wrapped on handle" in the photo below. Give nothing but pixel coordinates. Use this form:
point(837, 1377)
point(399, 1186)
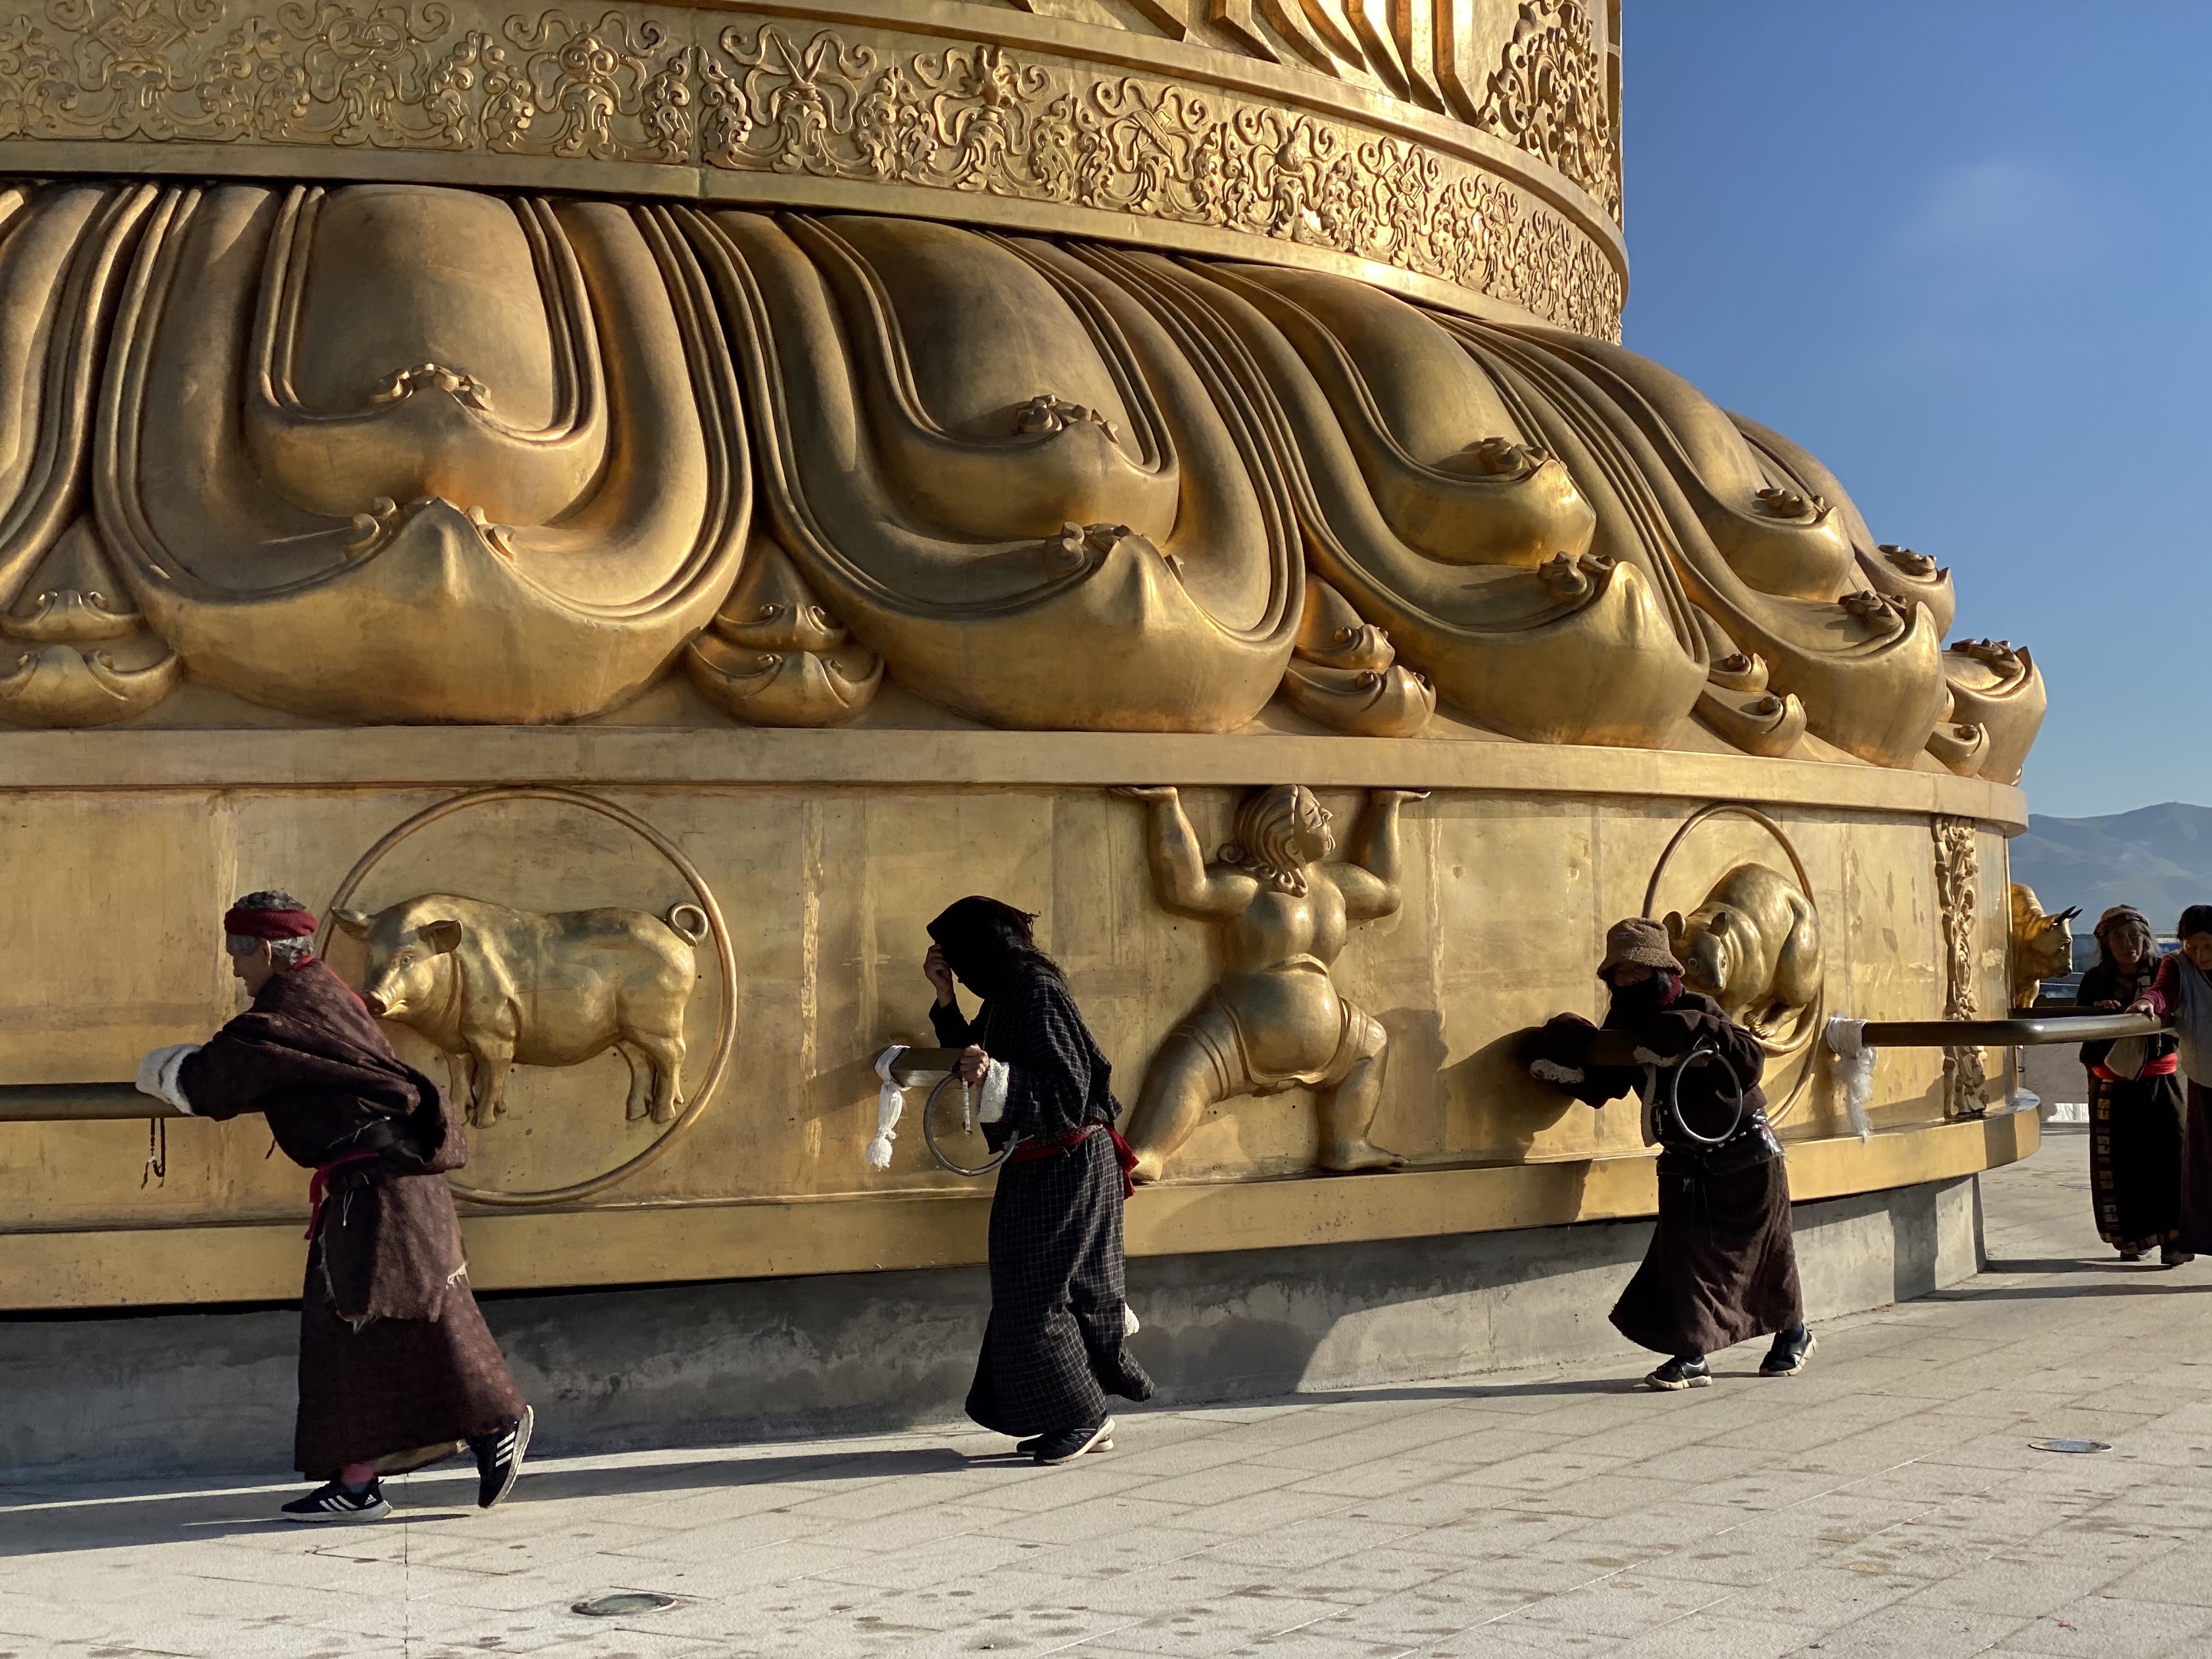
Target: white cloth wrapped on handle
point(994, 1105)
point(1855, 1061)
point(891, 1101)
point(157, 1075)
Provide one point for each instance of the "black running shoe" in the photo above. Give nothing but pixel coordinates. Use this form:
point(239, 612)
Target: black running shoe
point(1791, 1349)
point(1689, 1371)
point(1072, 1442)
point(499, 1459)
point(1029, 1448)
point(333, 1503)
point(2174, 1256)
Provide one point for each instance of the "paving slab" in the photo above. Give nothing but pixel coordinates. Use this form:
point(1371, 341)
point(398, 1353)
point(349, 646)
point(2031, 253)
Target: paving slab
point(1886, 1502)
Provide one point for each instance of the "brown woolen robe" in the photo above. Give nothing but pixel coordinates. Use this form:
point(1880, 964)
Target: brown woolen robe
point(1722, 1266)
point(396, 1365)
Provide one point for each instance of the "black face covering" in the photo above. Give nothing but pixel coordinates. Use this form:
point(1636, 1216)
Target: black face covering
point(984, 941)
point(1642, 1001)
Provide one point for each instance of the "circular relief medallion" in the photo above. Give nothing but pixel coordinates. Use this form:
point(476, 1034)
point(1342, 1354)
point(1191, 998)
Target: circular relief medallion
point(526, 949)
point(1748, 932)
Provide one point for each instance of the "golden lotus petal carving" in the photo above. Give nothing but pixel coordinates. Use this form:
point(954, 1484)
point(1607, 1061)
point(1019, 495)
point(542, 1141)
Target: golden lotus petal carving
point(58, 685)
point(246, 477)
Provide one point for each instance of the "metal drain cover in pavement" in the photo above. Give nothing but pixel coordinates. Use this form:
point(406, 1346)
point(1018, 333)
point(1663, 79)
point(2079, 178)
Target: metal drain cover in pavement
point(626, 1602)
point(2069, 1445)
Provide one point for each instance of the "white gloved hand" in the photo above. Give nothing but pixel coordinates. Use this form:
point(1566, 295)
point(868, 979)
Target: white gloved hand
point(157, 1075)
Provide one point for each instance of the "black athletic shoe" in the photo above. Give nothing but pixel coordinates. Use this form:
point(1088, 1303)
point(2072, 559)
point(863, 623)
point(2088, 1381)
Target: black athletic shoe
point(1791, 1349)
point(1072, 1442)
point(1689, 1371)
point(1029, 1448)
point(334, 1503)
point(499, 1459)
point(2173, 1256)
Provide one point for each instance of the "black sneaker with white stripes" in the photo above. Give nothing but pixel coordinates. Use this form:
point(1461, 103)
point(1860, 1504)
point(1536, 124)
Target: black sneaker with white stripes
point(499, 1459)
point(1073, 1442)
point(334, 1503)
point(1029, 1448)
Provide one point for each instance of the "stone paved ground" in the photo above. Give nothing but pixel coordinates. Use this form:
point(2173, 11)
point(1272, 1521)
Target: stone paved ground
point(1885, 1503)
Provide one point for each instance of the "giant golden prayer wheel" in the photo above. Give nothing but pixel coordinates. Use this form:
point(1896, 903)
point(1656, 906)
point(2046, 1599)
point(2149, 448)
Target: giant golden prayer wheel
point(760, 471)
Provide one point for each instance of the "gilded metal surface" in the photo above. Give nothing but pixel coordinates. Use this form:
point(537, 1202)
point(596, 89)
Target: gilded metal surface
point(1754, 947)
point(1958, 875)
point(2042, 945)
point(1753, 941)
point(1284, 907)
point(492, 988)
point(802, 407)
point(488, 986)
point(1498, 179)
point(391, 453)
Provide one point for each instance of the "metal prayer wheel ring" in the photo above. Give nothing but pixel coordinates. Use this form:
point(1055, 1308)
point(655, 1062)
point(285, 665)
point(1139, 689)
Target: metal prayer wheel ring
point(1808, 1018)
point(966, 1127)
point(702, 900)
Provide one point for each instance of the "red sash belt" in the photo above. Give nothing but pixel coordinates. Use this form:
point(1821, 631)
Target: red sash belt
point(319, 1188)
point(1034, 1149)
point(2164, 1065)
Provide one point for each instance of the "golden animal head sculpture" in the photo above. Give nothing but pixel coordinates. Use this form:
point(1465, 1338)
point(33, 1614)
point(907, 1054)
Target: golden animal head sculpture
point(1753, 947)
point(2042, 945)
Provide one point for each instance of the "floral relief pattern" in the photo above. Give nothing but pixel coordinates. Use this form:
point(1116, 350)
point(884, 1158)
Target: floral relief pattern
point(967, 119)
point(978, 119)
point(1958, 877)
point(1549, 97)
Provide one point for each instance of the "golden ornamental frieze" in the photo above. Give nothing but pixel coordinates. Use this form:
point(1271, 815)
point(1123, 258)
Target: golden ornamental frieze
point(973, 120)
point(1548, 95)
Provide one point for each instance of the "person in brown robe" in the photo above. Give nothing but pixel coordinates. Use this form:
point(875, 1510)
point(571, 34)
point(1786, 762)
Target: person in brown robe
point(1722, 1266)
point(397, 1367)
point(2135, 1104)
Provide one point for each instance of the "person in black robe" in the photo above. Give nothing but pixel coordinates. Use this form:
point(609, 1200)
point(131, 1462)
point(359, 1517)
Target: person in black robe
point(1722, 1262)
point(2135, 1101)
point(1056, 1344)
point(397, 1367)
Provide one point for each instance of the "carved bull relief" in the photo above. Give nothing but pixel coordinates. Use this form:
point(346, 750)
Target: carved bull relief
point(2042, 945)
point(493, 987)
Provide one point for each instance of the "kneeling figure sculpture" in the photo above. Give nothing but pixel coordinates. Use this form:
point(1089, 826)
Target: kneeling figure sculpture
point(1276, 1021)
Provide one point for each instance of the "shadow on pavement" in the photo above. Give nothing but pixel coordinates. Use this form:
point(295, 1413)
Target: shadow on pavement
point(46, 1527)
point(1469, 1392)
point(2062, 1292)
point(186, 1518)
point(2070, 1264)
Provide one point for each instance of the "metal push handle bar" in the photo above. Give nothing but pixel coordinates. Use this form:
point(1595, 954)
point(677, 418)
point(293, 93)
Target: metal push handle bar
point(94, 1103)
point(2007, 1033)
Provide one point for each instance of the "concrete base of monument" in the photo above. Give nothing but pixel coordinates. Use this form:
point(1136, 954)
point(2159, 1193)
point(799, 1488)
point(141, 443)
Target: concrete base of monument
point(163, 1393)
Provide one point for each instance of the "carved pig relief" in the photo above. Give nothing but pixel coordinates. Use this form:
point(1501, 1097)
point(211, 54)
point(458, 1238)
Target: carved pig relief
point(1753, 947)
point(494, 988)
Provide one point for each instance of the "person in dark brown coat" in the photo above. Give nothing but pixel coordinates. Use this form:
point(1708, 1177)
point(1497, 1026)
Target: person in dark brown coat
point(397, 1368)
point(1722, 1262)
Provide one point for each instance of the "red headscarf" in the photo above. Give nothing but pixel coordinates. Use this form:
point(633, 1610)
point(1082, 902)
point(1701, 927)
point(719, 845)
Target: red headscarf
point(269, 924)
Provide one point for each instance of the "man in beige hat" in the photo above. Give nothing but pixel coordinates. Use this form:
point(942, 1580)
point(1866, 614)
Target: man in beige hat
point(1722, 1264)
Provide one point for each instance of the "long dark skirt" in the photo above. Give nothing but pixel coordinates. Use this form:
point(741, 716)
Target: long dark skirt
point(2196, 1170)
point(397, 1393)
point(1055, 1348)
point(1722, 1265)
point(2135, 1161)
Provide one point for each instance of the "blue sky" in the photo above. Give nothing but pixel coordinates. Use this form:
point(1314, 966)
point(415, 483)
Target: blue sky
point(1957, 249)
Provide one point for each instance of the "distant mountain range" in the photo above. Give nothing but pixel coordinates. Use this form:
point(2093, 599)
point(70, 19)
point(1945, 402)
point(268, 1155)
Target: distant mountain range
point(2158, 859)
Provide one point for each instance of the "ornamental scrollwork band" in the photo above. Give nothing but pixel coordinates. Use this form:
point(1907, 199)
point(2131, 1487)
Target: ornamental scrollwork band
point(974, 119)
